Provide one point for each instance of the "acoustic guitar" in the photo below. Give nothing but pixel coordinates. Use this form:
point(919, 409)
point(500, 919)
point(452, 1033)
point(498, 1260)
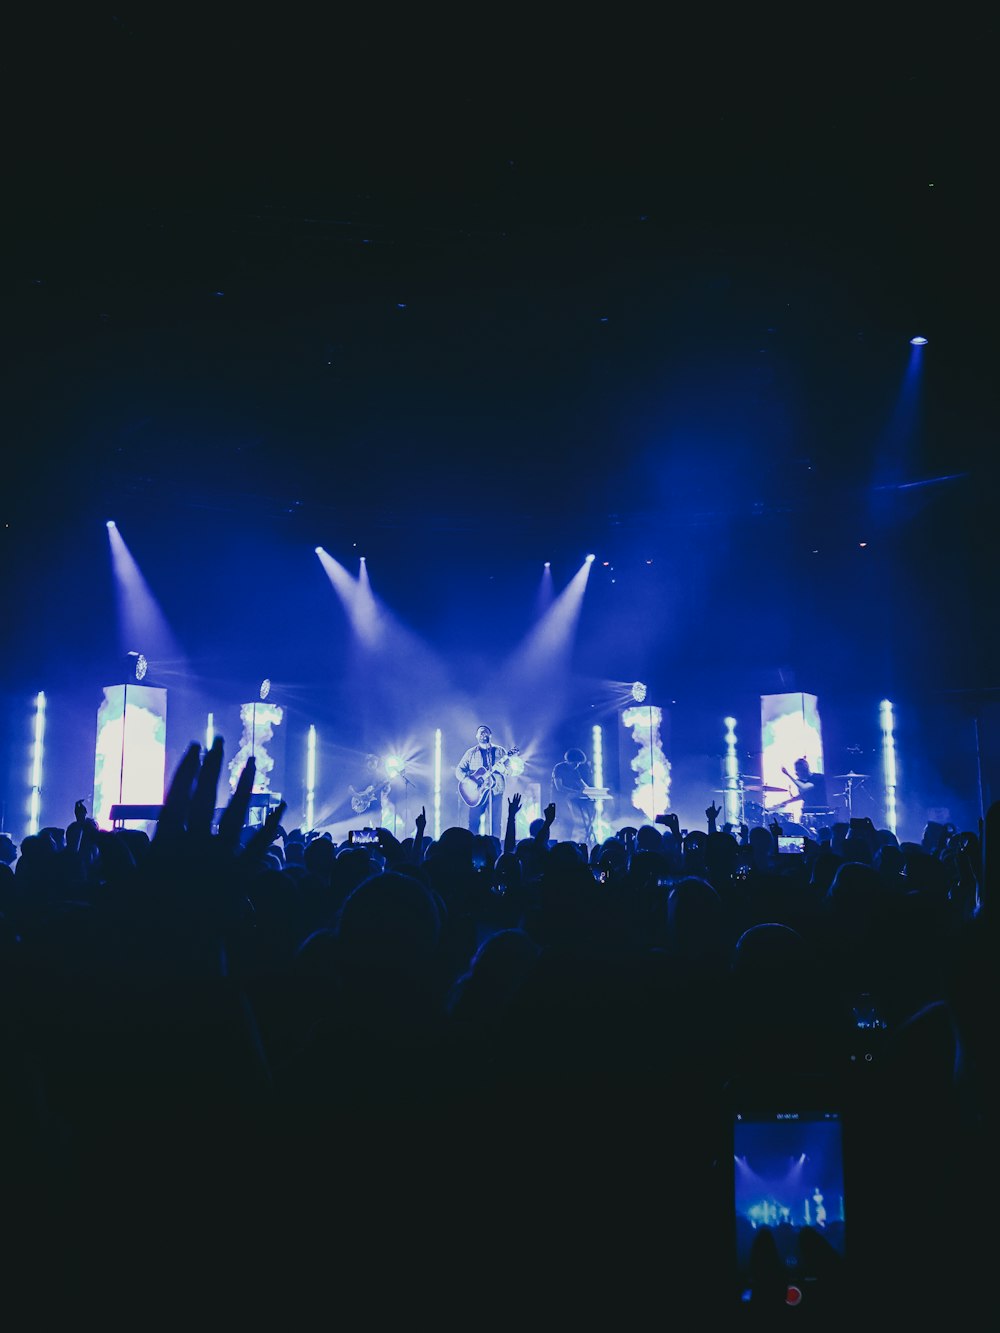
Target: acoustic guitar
point(481, 782)
point(364, 800)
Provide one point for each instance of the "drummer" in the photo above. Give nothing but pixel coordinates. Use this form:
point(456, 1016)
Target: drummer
point(810, 788)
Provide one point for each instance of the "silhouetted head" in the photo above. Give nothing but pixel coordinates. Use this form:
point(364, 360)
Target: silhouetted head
point(319, 856)
point(575, 757)
point(508, 872)
point(694, 917)
point(390, 920)
point(768, 950)
point(934, 837)
point(649, 839)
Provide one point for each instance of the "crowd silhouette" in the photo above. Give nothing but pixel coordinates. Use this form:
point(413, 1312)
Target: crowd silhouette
point(469, 1079)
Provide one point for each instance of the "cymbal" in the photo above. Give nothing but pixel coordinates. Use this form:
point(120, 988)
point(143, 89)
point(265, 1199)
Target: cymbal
point(852, 775)
point(774, 788)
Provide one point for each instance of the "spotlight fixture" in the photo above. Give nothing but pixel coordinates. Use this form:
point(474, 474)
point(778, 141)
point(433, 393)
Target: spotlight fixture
point(394, 765)
point(111, 523)
point(136, 666)
point(591, 559)
point(918, 341)
point(318, 550)
point(265, 688)
point(638, 691)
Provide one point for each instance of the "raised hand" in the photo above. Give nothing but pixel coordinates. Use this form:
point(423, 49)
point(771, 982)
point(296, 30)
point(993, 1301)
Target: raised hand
point(185, 823)
point(550, 813)
point(420, 823)
point(256, 848)
point(713, 812)
point(513, 805)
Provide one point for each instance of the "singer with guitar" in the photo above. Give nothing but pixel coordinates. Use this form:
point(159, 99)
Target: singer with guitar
point(482, 781)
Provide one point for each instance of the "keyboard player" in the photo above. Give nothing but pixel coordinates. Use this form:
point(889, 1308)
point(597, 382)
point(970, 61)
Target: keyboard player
point(574, 808)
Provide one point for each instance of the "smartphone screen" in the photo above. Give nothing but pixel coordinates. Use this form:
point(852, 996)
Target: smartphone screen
point(788, 844)
point(788, 1197)
point(360, 837)
point(867, 1028)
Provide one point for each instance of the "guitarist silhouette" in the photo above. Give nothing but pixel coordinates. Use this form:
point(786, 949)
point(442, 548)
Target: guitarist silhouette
point(482, 780)
point(366, 797)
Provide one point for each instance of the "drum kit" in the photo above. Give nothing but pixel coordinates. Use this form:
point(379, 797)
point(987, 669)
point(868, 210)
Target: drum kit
point(751, 812)
point(848, 792)
point(757, 812)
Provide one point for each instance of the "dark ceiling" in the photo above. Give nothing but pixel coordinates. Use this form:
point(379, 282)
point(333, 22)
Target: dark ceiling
point(472, 297)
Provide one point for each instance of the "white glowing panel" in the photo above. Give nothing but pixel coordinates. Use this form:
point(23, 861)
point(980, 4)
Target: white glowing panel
point(789, 730)
point(131, 755)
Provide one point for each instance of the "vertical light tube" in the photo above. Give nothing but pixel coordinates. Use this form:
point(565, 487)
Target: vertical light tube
point(37, 748)
point(597, 747)
point(888, 725)
point(437, 783)
point(310, 777)
point(210, 732)
point(731, 774)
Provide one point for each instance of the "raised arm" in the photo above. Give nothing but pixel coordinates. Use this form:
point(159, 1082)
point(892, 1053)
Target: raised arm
point(545, 828)
point(510, 834)
point(420, 824)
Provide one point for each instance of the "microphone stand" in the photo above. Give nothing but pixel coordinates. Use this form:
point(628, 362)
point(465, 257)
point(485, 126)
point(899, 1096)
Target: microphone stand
point(406, 802)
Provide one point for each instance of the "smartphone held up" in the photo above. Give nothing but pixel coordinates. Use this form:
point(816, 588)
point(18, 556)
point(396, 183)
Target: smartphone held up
point(363, 837)
point(789, 1198)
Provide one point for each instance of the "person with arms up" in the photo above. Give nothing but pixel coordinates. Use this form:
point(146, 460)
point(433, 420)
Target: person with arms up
point(482, 780)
